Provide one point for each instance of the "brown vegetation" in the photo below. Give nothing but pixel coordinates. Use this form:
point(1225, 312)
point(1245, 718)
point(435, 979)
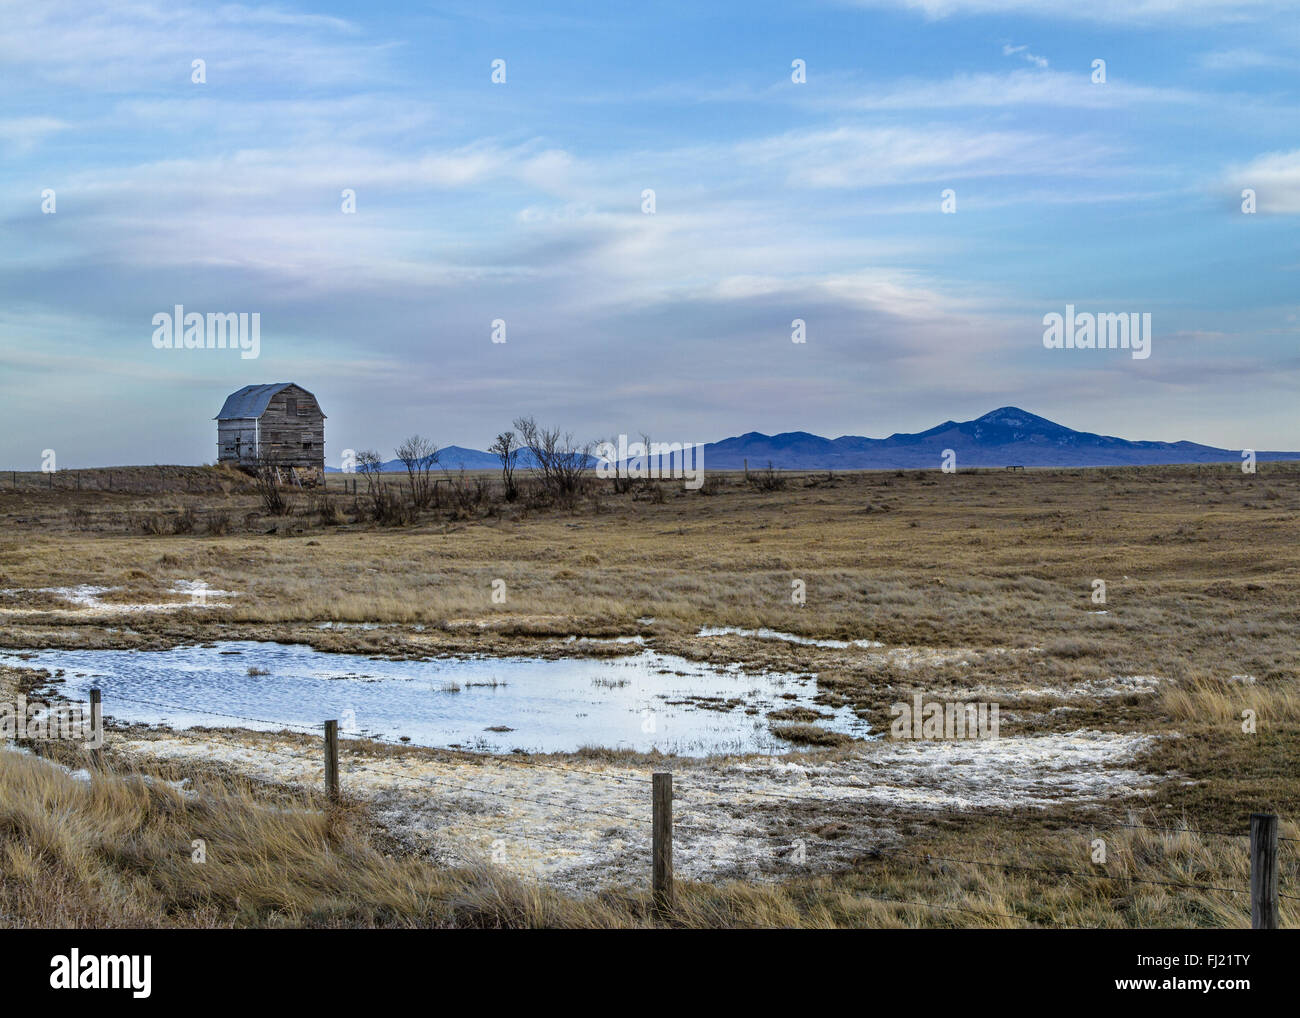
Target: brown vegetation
point(1202, 579)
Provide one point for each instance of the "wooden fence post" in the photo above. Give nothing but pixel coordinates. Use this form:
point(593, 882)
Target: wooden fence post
point(96, 725)
point(662, 851)
point(332, 759)
point(1263, 871)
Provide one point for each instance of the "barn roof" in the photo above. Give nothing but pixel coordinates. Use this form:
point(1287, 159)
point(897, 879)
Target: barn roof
point(252, 401)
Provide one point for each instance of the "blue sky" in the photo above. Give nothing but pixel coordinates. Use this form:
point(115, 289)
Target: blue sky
point(522, 201)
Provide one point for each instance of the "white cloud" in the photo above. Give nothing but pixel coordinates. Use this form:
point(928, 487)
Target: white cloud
point(1275, 178)
point(22, 134)
point(1242, 60)
point(1016, 88)
point(851, 157)
point(1177, 11)
point(1009, 51)
point(143, 44)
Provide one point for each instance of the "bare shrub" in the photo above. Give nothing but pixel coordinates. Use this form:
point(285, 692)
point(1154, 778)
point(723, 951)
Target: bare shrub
point(561, 462)
point(390, 509)
point(419, 456)
point(152, 523)
point(467, 493)
point(506, 449)
point(767, 479)
point(267, 479)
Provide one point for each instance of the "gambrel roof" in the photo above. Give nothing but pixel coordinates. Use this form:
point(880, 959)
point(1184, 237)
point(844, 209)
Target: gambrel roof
point(251, 401)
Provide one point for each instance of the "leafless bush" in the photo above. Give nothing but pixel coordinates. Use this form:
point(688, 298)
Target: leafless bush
point(419, 456)
point(369, 466)
point(767, 479)
point(151, 523)
point(618, 481)
point(467, 493)
point(323, 506)
point(390, 509)
point(506, 449)
point(562, 463)
point(267, 479)
point(380, 505)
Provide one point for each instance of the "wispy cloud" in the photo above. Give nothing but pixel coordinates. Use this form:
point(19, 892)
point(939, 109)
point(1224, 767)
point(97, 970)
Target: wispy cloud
point(775, 200)
point(1009, 50)
point(1141, 11)
point(1245, 59)
point(1275, 179)
point(22, 134)
point(1016, 88)
point(145, 45)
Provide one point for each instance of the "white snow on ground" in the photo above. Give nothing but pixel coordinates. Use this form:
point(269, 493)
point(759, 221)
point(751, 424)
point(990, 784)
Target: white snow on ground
point(773, 634)
point(605, 639)
point(89, 601)
point(83, 594)
point(200, 589)
point(83, 775)
point(900, 657)
point(587, 825)
point(1119, 685)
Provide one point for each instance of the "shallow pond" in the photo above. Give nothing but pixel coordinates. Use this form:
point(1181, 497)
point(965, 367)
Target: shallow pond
point(642, 701)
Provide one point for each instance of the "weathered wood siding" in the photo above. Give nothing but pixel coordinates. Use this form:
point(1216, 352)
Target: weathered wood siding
point(237, 442)
point(292, 430)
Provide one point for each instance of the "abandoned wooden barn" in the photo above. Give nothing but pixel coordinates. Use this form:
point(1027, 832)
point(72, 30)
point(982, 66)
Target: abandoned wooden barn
point(280, 424)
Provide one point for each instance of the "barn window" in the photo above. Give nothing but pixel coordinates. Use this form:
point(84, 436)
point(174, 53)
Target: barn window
point(291, 406)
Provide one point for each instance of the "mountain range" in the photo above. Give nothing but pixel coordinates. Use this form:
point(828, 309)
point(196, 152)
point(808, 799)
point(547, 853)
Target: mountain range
point(1003, 437)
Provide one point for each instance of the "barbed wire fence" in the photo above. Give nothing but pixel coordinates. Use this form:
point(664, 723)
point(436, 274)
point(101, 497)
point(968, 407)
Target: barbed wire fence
point(660, 827)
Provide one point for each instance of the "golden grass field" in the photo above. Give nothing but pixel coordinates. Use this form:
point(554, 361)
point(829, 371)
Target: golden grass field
point(1202, 574)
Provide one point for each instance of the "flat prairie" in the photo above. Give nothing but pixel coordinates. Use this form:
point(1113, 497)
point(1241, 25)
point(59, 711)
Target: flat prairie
point(1137, 628)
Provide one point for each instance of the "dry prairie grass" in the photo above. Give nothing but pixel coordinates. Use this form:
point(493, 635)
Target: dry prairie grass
point(115, 849)
point(1203, 584)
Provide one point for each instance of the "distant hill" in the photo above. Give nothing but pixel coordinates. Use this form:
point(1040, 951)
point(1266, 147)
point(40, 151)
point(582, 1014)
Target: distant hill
point(454, 457)
point(1000, 438)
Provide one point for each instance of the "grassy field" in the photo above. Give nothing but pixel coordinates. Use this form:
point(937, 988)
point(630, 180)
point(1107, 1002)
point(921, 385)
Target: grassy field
point(985, 578)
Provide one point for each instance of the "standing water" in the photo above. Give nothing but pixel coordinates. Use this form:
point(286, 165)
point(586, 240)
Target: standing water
point(640, 702)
